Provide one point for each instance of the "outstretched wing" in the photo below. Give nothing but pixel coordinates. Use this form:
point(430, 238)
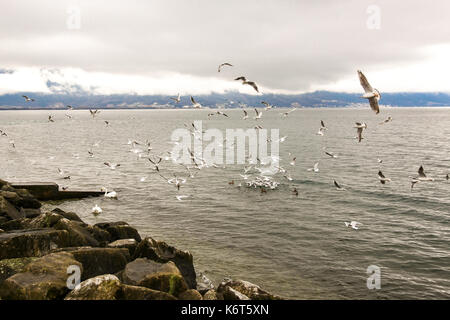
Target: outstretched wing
point(422, 172)
point(374, 105)
point(364, 83)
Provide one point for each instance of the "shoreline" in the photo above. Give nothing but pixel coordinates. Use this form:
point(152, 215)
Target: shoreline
point(54, 255)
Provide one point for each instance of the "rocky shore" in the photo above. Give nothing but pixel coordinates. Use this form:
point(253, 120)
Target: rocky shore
point(41, 253)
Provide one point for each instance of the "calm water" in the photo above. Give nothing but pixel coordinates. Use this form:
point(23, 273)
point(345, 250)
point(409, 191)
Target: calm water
point(297, 247)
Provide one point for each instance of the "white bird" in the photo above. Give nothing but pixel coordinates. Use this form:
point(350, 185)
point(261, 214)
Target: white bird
point(180, 198)
point(111, 195)
point(359, 129)
point(94, 112)
point(330, 154)
point(250, 83)
point(96, 210)
point(268, 106)
point(285, 114)
point(389, 119)
point(292, 163)
point(245, 117)
point(27, 99)
point(258, 114)
point(382, 178)
point(195, 104)
point(68, 116)
point(315, 168)
point(177, 99)
point(422, 177)
point(353, 224)
point(112, 166)
point(322, 129)
point(373, 95)
point(223, 65)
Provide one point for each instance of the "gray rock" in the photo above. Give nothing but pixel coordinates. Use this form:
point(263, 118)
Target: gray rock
point(31, 243)
point(119, 230)
point(233, 289)
point(130, 244)
point(190, 294)
point(212, 295)
point(78, 234)
point(68, 215)
point(160, 251)
point(9, 210)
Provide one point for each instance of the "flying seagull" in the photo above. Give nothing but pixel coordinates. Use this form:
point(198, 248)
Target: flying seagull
point(223, 65)
point(27, 99)
point(370, 93)
point(382, 178)
point(359, 129)
point(285, 114)
point(50, 118)
point(94, 112)
point(422, 177)
point(195, 104)
point(315, 168)
point(250, 83)
point(389, 119)
point(258, 114)
point(330, 154)
point(338, 187)
point(245, 117)
point(268, 106)
point(112, 166)
point(177, 99)
point(353, 224)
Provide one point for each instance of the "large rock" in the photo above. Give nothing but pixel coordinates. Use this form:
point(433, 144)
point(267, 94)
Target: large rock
point(68, 215)
point(243, 290)
point(204, 284)
point(160, 251)
point(43, 279)
point(130, 244)
point(9, 267)
point(98, 261)
point(102, 287)
point(31, 243)
point(119, 230)
point(78, 234)
point(190, 294)
point(158, 276)
point(128, 292)
point(9, 210)
point(212, 295)
point(26, 200)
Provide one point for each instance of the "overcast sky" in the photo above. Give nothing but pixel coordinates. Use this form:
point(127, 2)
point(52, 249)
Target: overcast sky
point(166, 47)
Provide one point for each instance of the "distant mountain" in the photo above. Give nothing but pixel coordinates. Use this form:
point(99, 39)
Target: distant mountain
point(315, 99)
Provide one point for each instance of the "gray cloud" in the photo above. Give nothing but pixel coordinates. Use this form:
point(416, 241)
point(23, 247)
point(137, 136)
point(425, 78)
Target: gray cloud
point(285, 45)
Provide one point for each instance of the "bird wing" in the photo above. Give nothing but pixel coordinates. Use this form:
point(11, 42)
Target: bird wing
point(422, 172)
point(251, 83)
point(245, 112)
point(364, 83)
point(374, 105)
point(337, 184)
point(381, 175)
point(322, 123)
point(192, 100)
point(241, 78)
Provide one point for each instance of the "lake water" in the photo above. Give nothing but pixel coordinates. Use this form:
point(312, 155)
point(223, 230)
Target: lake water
point(297, 247)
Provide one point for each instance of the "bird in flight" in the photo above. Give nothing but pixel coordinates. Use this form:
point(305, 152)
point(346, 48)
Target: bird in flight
point(268, 106)
point(422, 177)
point(359, 129)
point(250, 83)
point(373, 95)
point(382, 178)
point(94, 112)
point(285, 114)
point(176, 99)
point(195, 104)
point(223, 65)
point(338, 186)
point(27, 99)
point(258, 114)
point(353, 224)
point(112, 166)
point(389, 119)
point(315, 168)
point(50, 118)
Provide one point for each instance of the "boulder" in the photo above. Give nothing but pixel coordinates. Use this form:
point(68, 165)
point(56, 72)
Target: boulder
point(26, 200)
point(18, 224)
point(42, 279)
point(30, 213)
point(160, 251)
point(104, 287)
point(68, 215)
point(190, 294)
point(79, 235)
point(233, 289)
point(31, 243)
point(212, 295)
point(45, 220)
point(119, 230)
point(129, 244)
point(154, 275)
point(9, 210)
point(128, 292)
point(9, 267)
point(3, 183)
point(98, 261)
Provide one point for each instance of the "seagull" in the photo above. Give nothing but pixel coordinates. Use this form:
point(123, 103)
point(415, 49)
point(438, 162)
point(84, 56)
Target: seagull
point(112, 166)
point(177, 99)
point(111, 195)
point(91, 154)
point(370, 93)
point(245, 117)
point(94, 113)
point(250, 83)
point(389, 119)
point(332, 155)
point(12, 143)
point(107, 123)
point(258, 114)
point(285, 114)
point(382, 178)
point(3, 133)
point(359, 129)
point(180, 198)
point(69, 107)
point(27, 99)
point(195, 104)
point(338, 187)
point(320, 132)
point(222, 65)
point(50, 118)
point(96, 210)
point(295, 192)
point(315, 168)
point(68, 116)
point(155, 163)
point(353, 224)
point(268, 106)
point(422, 177)
point(292, 163)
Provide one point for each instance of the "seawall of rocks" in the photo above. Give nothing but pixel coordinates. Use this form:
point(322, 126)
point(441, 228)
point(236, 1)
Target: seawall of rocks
point(55, 255)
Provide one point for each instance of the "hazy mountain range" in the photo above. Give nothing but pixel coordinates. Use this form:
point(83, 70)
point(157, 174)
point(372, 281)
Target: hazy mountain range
point(315, 99)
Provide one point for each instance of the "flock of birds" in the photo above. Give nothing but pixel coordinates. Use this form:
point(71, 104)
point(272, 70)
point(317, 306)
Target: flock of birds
point(263, 177)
